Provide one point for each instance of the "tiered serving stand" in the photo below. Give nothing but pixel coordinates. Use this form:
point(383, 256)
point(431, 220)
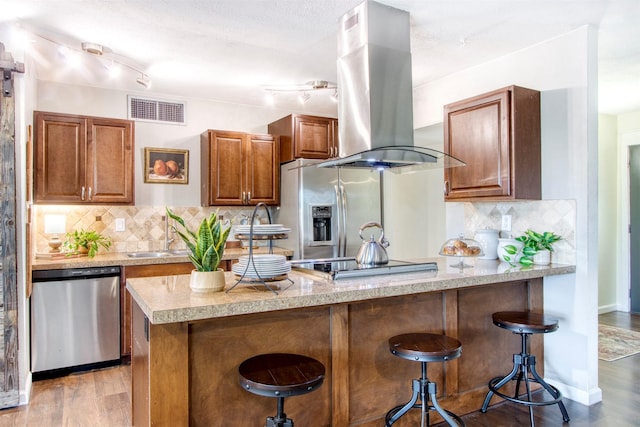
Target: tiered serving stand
point(261, 281)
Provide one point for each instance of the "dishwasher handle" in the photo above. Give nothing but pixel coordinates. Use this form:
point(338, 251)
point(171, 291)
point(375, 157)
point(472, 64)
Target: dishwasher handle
point(74, 273)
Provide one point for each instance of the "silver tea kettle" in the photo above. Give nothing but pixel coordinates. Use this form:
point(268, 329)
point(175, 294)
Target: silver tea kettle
point(372, 251)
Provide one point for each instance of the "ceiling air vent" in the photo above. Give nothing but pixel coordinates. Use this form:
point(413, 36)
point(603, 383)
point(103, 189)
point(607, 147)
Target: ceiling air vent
point(156, 110)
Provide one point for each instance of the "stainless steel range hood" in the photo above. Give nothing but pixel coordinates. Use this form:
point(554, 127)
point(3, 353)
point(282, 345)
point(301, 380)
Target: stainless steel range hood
point(375, 107)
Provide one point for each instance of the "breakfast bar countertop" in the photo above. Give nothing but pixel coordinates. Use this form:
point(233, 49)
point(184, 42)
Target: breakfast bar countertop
point(168, 299)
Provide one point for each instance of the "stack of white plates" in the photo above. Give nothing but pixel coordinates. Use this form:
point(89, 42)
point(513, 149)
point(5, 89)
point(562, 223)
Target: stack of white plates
point(261, 229)
point(262, 266)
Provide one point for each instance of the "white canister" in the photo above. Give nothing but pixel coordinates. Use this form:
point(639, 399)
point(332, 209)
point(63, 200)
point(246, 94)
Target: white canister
point(488, 239)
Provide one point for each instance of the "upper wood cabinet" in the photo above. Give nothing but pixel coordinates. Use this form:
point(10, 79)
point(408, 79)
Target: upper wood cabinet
point(308, 137)
point(498, 136)
point(82, 159)
point(239, 169)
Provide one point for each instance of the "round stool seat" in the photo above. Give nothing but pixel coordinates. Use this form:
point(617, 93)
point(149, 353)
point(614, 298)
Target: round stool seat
point(524, 322)
point(424, 347)
point(281, 374)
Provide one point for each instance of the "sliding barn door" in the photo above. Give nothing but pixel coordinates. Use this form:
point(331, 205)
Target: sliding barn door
point(9, 387)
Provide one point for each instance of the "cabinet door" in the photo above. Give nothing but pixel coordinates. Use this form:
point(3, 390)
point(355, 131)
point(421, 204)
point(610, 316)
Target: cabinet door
point(225, 172)
point(477, 132)
point(498, 136)
point(146, 270)
point(263, 170)
point(60, 158)
point(110, 161)
point(313, 137)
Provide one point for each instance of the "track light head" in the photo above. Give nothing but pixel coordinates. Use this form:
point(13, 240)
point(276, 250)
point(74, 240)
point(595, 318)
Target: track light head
point(93, 48)
point(144, 80)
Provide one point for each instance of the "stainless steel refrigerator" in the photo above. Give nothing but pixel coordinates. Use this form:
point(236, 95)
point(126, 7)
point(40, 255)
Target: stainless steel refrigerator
point(325, 207)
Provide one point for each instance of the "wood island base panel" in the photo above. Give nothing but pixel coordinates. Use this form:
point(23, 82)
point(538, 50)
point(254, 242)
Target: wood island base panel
point(187, 347)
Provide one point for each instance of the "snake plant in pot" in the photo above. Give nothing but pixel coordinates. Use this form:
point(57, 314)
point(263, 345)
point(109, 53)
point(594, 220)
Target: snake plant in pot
point(205, 248)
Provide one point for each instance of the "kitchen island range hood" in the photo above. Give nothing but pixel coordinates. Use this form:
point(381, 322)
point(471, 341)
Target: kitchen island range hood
point(375, 102)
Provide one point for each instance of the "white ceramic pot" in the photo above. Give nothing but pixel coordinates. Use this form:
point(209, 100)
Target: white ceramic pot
point(502, 253)
point(488, 239)
point(542, 257)
point(207, 281)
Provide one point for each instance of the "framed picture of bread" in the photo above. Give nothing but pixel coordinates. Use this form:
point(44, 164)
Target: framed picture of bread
point(166, 166)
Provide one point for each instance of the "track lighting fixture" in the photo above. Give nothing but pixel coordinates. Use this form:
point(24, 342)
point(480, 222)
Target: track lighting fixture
point(93, 48)
point(144, 80)
point(112, 64)
point(303, 91)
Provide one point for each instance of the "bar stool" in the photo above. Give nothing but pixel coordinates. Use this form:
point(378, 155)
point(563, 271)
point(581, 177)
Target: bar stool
point(280, 375)
point(424, 347)
point(524, 364)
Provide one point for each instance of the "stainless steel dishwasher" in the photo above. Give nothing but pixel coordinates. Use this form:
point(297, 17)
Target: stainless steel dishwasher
point(75, 317)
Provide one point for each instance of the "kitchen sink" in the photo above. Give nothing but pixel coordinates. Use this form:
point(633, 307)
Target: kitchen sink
point(157, 254)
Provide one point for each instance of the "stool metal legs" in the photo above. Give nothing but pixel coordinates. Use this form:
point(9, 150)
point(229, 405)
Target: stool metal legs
point(424, 388)
point(280, 420)
point(524, 368)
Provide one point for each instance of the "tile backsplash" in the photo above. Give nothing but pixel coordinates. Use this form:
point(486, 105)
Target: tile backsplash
point(144, 225)
point(558, 216)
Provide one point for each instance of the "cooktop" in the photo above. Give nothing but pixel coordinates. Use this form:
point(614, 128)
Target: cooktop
point(342, 268)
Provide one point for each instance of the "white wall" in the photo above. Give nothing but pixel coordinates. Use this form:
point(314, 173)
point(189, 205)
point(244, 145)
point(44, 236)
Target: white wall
point(607, 212)
point(564, 69)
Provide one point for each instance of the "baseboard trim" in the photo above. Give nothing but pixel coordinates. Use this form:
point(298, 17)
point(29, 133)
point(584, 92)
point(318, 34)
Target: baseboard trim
point(584, 397)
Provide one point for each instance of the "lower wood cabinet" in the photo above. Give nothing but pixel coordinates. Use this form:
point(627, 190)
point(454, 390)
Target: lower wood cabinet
point(149, 270)
point(186, 373)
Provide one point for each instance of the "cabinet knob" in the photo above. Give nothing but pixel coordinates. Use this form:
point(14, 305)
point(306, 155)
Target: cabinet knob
point(244, 198)
point(248, 197)
point(82, 193)
point(90, 193)
point(446, 188)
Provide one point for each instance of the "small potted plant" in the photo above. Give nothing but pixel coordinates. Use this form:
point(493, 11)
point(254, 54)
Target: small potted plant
point(530, 248)
point(85, 242)
point(205, 248)
point(541, 243)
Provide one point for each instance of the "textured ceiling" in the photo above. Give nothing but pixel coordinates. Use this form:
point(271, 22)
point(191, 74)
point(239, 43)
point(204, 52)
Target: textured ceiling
point(230, 50)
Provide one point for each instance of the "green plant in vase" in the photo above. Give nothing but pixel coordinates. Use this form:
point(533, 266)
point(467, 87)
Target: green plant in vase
point(206, 245)
point(85, 241)
point(533, 244)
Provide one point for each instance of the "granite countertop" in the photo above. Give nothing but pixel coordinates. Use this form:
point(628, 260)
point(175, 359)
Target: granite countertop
point(168, 299)
point(118, 258)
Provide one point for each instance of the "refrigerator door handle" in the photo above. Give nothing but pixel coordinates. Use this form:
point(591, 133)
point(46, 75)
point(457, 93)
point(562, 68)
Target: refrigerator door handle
point(340, 225)
point(343, 214)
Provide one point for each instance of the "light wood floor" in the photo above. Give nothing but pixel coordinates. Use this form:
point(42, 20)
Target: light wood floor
point(102, 398)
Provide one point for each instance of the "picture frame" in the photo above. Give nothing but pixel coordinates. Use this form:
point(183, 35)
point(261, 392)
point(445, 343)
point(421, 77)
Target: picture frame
point(166, 166)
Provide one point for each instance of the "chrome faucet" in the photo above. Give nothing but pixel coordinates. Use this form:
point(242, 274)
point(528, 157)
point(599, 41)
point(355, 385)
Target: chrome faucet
point(167, 240)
